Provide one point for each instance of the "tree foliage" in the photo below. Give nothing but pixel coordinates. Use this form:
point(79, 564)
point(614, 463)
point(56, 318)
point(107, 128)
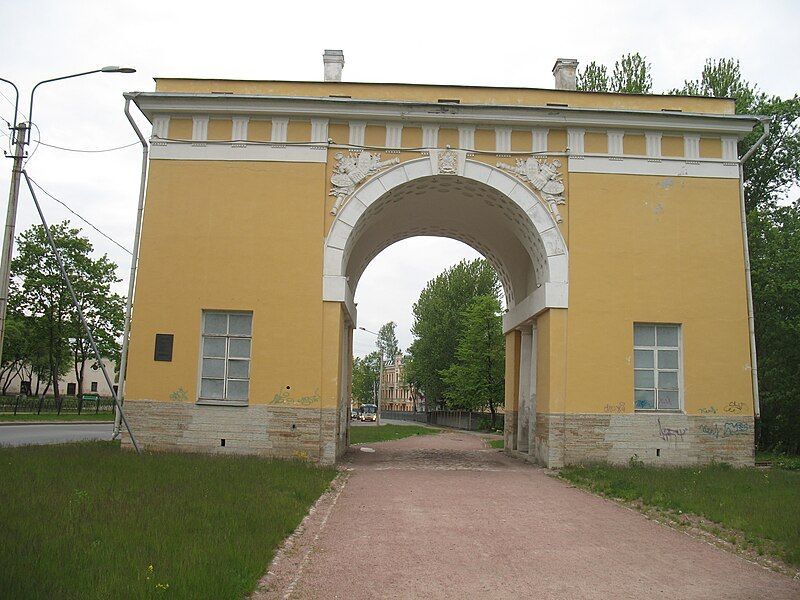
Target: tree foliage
point(14, 350)
point(775, 167)
point(631, 75)
point(365, 378)
point(387, 342)
point(775, 261)
point(475, 381)
point(411, 379)
point(594, 78)
point(38, 291)
point(438, 321)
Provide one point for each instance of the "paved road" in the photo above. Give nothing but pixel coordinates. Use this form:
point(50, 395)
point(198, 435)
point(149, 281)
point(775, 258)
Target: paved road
point(20, 435)
point(442, 516)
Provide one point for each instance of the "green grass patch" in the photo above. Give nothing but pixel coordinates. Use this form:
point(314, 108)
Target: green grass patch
point(789, 462)
point(762, 504)
point(106, 416)
point(92, 521)
point(495, 443)
point(385, 433)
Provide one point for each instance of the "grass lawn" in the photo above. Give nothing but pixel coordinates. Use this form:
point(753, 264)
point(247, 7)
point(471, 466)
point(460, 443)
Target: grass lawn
point(91, 521)
point(495, 443)
point(384, 433)
point(782, 461)
point(762, 504)
point(105, 416)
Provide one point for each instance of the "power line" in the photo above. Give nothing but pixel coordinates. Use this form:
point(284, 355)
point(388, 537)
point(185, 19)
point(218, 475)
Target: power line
point(88, 151)
point(89, 223)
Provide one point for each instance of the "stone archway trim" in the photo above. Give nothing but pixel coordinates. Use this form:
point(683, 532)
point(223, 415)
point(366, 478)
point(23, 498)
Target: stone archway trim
point(548, 295)
point(551, 293)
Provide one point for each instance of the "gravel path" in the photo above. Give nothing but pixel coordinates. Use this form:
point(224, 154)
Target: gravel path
point(442, 516)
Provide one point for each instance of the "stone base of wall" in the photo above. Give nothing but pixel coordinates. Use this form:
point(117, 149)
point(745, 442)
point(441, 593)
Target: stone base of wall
point(665, 439)
point(510, 430)
point(275, 431)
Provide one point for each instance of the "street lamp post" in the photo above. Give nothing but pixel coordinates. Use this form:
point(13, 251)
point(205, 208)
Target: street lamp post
point(380, 381)
point(20, 137)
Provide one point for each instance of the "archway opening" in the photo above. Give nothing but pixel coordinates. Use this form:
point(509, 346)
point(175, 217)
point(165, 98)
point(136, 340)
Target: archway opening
point(492, 212)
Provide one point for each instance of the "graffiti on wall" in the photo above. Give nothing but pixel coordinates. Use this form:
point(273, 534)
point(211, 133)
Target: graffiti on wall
point(728, 429)
point(179, 395)
point(284, 397)
point(734, 407)
point(669, 434)
point(711, 410)
point(614, 408)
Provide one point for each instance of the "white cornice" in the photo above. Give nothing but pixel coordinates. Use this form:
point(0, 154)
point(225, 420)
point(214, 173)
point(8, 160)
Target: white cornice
point(663, 167)
point(343, 109)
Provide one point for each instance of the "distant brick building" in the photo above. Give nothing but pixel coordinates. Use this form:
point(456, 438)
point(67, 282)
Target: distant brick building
point(396, 394)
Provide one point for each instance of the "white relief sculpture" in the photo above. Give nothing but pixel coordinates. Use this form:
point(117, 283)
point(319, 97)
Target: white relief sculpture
point(543, 177)
point(448, 162)
point(351, 169)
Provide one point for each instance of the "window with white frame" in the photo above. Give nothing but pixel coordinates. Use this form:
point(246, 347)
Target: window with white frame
point(656, 367)
point(225, 356)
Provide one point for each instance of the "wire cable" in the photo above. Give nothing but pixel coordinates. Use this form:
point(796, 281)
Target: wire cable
point(36, 147)
point(89, 223)
point(87, 150)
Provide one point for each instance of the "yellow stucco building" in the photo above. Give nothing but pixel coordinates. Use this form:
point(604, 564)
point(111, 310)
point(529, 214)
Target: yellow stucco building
point(614, 222)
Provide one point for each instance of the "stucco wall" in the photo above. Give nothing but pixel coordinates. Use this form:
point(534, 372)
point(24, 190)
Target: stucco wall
point(232, 236)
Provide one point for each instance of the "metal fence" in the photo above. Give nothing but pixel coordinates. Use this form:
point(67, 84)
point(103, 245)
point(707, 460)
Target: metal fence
point(458, 419)
point(49, 405)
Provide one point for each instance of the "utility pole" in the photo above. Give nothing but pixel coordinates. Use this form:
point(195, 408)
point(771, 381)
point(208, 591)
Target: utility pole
point(23, 133)
point(11, 219)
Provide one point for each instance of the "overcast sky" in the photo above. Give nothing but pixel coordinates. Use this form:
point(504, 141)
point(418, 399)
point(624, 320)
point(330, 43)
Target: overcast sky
point(505, 44)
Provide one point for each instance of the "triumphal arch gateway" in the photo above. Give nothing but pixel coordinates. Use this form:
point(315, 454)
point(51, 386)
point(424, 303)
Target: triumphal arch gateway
point(614, 222)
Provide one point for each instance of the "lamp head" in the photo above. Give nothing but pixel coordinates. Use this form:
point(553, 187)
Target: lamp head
point(114, 69)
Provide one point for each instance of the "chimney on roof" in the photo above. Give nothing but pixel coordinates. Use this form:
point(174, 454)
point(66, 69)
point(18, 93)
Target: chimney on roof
point(565, 73)
point(334, 63)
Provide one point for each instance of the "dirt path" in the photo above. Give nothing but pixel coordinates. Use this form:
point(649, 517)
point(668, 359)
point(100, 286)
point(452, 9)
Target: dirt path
point(441, 516)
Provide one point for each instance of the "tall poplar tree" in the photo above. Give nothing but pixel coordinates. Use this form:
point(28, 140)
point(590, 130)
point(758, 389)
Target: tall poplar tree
point(476, 380)
point(438, 321)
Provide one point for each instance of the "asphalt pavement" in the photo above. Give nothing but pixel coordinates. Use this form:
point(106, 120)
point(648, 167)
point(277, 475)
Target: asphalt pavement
point(53, 433)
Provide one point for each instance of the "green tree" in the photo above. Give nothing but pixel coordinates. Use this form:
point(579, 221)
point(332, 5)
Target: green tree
point(475, 381)
point(631, 75)
point(14, 349)
point(411, 379)
point(39, 292)
point(387, 342)
point(594, 78)
point(365, 378)
point(438, 318)
point(775, 167)
point(775, 260)
point(37, 362)
point(104, 313)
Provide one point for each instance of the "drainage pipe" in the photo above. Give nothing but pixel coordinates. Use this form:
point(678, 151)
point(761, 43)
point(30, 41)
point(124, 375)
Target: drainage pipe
point(126, 329)
point(745, 244)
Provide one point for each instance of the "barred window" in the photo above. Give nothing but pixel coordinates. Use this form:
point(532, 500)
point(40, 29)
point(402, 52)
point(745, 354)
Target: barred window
point(657, 365)
point(225, 355)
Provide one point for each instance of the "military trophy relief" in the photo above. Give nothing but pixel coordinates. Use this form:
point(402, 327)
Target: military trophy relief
point(543, 177)
point(351, 169)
